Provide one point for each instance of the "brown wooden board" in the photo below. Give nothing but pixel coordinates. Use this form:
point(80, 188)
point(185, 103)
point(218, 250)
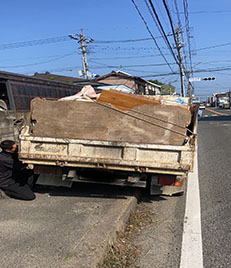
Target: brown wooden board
point(96, 121)
point(124, 101)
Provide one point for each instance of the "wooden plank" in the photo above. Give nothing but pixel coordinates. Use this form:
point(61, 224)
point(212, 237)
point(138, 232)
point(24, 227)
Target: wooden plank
point(124, 101)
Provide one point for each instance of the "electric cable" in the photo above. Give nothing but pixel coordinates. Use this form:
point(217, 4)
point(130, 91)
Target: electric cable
point(151, 34)
point(38, 63)
point(34, 42)
point(171, 22)
point(162, 29)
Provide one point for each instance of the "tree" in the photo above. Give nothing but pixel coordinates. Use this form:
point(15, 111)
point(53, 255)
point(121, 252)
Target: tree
point(156, 82)
point(166, 89)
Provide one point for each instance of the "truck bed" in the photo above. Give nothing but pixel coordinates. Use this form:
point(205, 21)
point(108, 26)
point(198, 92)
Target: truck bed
point(147, 138)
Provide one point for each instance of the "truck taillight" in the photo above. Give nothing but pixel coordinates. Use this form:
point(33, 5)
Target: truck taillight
point(179, 181)
point(170, 180)
point(166, 180)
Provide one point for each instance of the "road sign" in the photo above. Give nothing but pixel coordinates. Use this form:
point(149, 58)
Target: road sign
point(195, 79)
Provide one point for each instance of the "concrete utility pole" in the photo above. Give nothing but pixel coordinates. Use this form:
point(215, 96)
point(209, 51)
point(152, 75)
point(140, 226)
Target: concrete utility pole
point(82, 40)
point(190, 88)
point(179, 46)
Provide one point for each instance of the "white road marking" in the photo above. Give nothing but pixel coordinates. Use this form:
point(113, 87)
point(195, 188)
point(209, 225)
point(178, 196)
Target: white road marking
point(221, 125)
point(191, 250)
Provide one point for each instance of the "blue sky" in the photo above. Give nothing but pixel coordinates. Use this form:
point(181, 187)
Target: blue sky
point(209, 21)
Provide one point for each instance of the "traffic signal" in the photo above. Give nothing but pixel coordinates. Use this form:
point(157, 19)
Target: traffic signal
point(209, 78)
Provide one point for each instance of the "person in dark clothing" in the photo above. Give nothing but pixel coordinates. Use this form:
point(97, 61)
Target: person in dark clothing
point(13, 173)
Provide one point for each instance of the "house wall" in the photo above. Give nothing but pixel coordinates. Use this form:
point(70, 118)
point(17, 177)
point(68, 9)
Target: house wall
point(115, 80)
point(152, 90)
point(140, 87)
point(131, 83)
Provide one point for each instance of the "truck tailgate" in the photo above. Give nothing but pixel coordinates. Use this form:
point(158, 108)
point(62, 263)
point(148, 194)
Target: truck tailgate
point(125, 156)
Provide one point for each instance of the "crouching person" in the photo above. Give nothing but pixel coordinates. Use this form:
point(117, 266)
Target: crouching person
point(14, 176)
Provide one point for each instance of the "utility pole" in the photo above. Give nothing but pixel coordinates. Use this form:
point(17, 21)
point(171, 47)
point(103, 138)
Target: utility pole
point(179, 46)
point(190, 87)
point(82, 40)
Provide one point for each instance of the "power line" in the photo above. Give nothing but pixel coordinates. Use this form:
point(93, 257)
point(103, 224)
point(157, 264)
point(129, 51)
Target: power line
point(199, 49)
point(208, 12)
point(149, 31)
point(177, 12)
point(34, 42)
point(170, 20)
point(217, 69)
point(132, 57)
point(181, 33)
point(123, 41)
point(208, 70)
point(178, 46)
point(137, 71)
point(137, 65)
point(160, 28)
point(215, 46)
point(160, 74)
point(63, 39)
point(38, 63)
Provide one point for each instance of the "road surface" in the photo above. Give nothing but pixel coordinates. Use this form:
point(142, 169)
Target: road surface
point(215, 186)
point(46, 232)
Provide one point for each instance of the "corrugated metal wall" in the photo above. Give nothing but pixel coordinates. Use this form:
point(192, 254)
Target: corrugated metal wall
point(23, 92)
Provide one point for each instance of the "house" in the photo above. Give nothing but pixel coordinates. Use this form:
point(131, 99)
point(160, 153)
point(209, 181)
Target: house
point(60, 78)
point(17, 90)
point(68, 79)
point(139, 85)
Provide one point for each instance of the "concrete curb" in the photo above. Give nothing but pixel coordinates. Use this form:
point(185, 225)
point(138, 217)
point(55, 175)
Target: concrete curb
point(89, 252)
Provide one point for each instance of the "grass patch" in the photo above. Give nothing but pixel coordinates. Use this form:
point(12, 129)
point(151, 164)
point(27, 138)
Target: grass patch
point(123, 252)
point(69, 255)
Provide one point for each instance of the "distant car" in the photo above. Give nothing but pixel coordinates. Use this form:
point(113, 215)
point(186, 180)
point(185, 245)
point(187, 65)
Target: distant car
point(202, 106)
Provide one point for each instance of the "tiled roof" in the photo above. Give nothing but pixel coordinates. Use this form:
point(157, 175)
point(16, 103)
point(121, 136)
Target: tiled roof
point(60, 78)
point(124, 74)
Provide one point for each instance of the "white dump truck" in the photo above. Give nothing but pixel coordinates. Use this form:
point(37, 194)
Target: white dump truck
point(119, 138)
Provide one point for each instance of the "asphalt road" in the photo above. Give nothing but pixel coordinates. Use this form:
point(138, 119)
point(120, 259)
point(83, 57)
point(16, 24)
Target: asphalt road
point(62, 227)
point(160, 243)
point(214, 159)
point(43, 233)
